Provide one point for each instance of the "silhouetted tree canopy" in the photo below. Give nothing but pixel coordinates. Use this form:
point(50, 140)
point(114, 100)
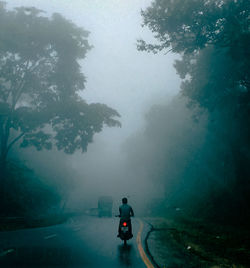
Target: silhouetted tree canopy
point(41, 81)
point(213, 39)
point(205, 33)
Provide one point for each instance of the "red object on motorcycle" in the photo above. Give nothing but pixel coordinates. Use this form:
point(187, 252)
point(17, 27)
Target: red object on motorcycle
point(124, 224)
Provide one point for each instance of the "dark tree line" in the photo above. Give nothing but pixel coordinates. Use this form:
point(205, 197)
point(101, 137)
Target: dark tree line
point(41, 83)
point(213, 39)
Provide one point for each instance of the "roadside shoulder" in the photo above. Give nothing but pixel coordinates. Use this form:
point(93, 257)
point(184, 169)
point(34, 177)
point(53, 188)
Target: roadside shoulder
point(176, 243)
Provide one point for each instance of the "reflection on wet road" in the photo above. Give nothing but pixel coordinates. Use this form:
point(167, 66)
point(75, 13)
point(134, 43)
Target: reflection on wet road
point(125, 255)
point(84, 242)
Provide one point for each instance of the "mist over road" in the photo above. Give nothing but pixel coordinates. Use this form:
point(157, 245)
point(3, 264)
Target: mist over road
point(83, 242)
point(143, 99)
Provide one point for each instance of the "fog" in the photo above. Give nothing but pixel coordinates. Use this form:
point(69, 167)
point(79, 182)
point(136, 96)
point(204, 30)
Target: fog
point(121, 77)
point(164, 115)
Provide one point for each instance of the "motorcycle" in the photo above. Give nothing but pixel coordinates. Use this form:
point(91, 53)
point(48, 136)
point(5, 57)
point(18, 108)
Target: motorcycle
point(125, 230)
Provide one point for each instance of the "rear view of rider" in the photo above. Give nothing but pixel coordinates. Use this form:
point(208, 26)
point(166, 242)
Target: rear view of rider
point(126, 212)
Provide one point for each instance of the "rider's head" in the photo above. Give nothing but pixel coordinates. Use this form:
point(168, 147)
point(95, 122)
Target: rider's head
point(124, 200)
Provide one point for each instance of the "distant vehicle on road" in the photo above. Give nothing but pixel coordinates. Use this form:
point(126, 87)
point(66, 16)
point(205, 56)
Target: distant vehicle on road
point(105, 205)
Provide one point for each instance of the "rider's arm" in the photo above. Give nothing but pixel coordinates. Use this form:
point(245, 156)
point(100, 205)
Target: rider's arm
point(131, 212)
point(119, 212)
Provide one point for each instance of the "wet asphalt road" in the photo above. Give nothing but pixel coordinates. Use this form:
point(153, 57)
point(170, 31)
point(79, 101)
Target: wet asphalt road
point(83, 242)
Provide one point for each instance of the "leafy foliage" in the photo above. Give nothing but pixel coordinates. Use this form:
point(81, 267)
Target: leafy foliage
point(40, 82)
point(30, 195)
point(213, 38)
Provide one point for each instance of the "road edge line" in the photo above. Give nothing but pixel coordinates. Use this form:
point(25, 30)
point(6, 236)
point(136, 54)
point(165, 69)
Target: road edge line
point(140, 248)
point(147, 248)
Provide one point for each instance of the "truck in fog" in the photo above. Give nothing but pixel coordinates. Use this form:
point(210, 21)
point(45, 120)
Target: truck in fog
point(105, 205)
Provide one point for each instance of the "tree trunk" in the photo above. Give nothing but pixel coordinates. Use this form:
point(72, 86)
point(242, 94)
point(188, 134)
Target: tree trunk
point(3, 167)
point(242, 187)
point(3, 174)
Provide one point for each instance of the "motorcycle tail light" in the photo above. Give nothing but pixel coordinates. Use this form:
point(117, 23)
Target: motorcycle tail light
point(124, 224)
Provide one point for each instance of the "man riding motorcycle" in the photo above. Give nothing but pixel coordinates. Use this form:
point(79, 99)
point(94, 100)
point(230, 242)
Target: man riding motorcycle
point(126, 212)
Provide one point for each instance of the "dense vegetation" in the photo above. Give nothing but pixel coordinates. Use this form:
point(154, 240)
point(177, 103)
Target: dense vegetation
point(40, 85)
point(204, 154)
point(30, 194)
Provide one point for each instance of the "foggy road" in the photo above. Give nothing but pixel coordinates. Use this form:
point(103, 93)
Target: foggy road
point(147, 100)
point(84, 242)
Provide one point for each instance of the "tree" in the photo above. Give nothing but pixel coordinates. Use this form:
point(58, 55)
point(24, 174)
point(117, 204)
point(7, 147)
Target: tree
point(190, 27)
point(41, 82)
point(213, 39)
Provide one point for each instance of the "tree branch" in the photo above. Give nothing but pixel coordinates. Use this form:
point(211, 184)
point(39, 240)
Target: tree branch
point(14, 141)
point(20, 86)
point(26, 70)
point(168, 51)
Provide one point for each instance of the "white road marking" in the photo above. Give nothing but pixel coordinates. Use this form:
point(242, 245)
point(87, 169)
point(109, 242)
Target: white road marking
point(50, 236)
point(6, 252)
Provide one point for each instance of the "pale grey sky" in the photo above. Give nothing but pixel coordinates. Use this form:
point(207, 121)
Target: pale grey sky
point(117, 75)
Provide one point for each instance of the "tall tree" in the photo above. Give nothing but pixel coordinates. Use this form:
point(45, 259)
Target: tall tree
point(213, 39)
point(40, 84)
point(189, 27)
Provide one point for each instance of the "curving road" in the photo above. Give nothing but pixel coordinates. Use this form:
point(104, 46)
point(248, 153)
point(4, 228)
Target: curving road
point(84, 242)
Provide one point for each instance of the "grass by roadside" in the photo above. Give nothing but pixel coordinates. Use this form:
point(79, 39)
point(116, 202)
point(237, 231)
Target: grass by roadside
point(193, 243)
point(16, 223)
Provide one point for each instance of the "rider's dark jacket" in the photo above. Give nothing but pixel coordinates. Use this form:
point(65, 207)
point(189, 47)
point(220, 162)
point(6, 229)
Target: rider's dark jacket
point(126, 212)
